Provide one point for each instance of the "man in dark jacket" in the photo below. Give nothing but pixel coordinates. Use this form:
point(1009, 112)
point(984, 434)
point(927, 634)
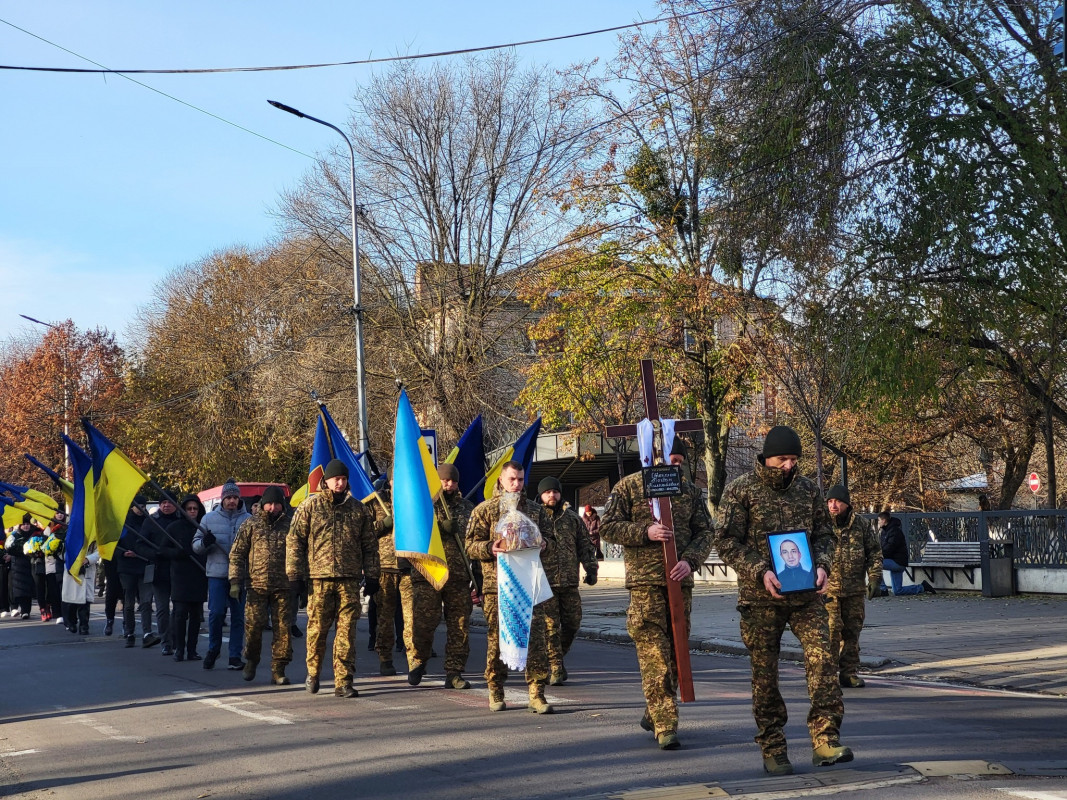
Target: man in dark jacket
point(132, 555)
point(162, 518)
point(895, 555)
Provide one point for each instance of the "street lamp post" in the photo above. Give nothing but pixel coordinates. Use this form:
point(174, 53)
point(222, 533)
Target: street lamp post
point(361, 380)
point(66, 397)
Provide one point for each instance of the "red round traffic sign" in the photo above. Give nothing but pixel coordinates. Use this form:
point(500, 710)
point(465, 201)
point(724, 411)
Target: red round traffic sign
point(1035, 482)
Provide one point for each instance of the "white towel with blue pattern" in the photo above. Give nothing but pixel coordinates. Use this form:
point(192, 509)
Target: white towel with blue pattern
point(521, 585)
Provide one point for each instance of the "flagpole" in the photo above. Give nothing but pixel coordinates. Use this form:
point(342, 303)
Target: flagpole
point(163, 493)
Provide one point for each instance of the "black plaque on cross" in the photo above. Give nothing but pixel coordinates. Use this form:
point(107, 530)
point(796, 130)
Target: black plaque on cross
point(680, 635)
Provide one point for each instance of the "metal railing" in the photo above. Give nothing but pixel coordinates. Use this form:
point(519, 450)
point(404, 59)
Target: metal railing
point(1040, 537)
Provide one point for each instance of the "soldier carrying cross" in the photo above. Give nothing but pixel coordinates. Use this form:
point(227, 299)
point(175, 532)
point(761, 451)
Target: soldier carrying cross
point(631, 520)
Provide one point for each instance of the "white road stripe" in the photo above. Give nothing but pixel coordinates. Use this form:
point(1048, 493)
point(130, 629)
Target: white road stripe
point(232, 704)
point(18, 753)
point(1028, 795)
point(102, 728)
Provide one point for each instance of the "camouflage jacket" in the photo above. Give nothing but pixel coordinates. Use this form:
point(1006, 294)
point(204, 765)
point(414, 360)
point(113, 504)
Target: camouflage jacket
point(572, 545)
point(459, 510)
point(386, 543)
point(331, 540)
point(858, 557)
point(751, 507)
point(257, 555)
point(626, 519)
point(479, 537)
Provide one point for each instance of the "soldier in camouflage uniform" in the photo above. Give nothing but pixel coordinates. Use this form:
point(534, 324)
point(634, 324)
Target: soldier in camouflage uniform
point(385, 601)
point(453, 514)
point(628, 521)
point(331, 540)
point(773, 498)
point(257, 560)
point(482, 547)
point(573, 545)
point(857, 571)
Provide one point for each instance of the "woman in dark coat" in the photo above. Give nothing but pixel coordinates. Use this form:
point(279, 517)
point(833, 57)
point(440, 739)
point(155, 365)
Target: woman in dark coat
point(188, 581)
point(22, 583)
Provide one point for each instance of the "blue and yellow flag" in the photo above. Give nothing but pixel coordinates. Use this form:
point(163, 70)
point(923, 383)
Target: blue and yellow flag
point(81, 528)
point(329, 444)
point(116, 481)
point(415, 486)
point(469, 457)
point(522, 451)
point(29, 494)
point(64, 486)
point(26, 501)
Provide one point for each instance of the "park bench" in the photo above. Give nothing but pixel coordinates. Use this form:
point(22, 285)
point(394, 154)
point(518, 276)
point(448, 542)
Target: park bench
point(949, 557)
point(713, 563)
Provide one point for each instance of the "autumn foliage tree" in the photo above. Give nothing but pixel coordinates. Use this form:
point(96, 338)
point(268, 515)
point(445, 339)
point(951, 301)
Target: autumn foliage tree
point(48, 384)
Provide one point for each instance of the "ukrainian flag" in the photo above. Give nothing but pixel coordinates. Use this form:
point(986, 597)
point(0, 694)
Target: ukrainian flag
point(415, 487)
point(20, 504)
point(116, 481)
point(81, 529)
point(522, 451)
point(469, 457)
point(30, 494)
point(64, 486)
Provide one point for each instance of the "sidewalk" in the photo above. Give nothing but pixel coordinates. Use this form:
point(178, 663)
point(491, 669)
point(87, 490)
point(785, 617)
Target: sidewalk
point(1005, 643)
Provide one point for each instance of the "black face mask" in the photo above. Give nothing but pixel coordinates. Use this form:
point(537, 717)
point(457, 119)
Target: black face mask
point(841, 520)
point(275, 516)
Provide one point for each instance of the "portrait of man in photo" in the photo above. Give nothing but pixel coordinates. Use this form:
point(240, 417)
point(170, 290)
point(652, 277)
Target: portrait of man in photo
point(792, 561)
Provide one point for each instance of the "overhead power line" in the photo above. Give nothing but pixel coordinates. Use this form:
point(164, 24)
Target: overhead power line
point(359, 62)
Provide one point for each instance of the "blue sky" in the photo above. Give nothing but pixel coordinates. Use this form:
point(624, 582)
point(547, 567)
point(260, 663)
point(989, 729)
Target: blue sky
point(106, 186)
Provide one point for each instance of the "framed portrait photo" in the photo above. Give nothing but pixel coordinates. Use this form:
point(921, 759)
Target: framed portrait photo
point(794, 566)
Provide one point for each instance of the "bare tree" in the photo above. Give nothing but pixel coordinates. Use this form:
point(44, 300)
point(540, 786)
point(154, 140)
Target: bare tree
point(456, 169)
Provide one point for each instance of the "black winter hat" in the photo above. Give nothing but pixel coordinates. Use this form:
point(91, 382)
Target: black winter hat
point(782, 441)
point(549, 484)
point(448, 472)
point(272, 494)
point(678, 448)
point(839, 492)
point(336, 468)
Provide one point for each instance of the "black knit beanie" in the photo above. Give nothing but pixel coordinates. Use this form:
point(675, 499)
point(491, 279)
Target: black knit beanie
point(781, 441)
point(272, 494)
point(839, 492)
point(335, 469)
point(549, 484)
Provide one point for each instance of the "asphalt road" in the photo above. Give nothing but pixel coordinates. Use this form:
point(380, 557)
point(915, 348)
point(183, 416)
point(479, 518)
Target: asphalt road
point(86, 717)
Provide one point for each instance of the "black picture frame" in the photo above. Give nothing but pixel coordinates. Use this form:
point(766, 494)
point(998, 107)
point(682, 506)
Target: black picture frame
point(800, 577)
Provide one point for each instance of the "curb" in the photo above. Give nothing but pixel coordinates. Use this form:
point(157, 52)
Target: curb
point(726, 646)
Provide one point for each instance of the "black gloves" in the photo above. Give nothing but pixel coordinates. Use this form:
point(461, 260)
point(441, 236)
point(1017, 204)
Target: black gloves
point(590, 578)
point(297, 587)
point(446, 525)
point(370, 586)
point(208, 539)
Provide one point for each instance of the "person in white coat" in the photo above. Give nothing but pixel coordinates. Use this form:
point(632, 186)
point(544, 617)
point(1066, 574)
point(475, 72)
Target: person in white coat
point(80, 595)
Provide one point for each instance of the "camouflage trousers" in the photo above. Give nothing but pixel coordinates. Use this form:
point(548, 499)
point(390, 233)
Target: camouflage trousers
point(258, 607)
point(456, 601)
point(496, 671)
point(846, 622)
point(386, 601)
point(761, 631)
point(422, 612)
point(564, 617)
point(333, 601)
point(648, 621)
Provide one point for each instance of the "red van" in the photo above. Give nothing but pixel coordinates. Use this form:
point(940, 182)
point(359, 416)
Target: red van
point(250, 493)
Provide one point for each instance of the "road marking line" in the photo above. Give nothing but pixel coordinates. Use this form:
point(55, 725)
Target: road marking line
point(102, 728)
point(1034, 795)
point(18, 753)
point(231, 704)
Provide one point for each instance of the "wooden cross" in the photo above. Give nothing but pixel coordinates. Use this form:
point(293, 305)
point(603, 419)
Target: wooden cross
point(680, 635)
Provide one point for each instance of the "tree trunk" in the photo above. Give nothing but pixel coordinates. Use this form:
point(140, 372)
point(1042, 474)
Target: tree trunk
point(1050, 453)
point(1016, 465)
point(819, 460)
point(716, 446)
